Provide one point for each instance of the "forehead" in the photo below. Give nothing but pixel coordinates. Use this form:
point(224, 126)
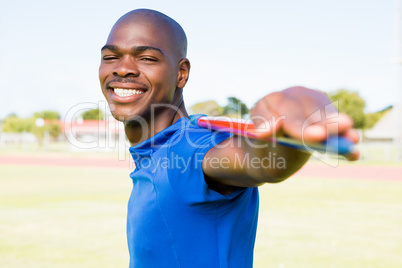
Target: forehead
point(126, 35)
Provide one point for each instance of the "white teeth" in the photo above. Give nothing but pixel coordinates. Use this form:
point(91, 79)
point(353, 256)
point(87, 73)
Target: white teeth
point(123, 92)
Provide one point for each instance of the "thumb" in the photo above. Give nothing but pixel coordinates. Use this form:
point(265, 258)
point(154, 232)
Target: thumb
point(266, 126)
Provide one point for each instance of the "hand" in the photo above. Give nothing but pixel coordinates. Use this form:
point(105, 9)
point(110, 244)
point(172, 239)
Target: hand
point(304, 114)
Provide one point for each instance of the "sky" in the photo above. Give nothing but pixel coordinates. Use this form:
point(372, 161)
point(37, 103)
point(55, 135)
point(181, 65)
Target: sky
point(50, 50)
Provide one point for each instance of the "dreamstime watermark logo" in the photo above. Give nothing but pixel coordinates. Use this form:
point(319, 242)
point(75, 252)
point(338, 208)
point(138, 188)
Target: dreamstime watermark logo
point(109, 134)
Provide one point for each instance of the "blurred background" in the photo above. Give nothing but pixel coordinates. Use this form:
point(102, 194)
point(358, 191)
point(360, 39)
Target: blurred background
point(64, 162)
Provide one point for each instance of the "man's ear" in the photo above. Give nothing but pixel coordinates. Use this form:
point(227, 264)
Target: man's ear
point(183, 73)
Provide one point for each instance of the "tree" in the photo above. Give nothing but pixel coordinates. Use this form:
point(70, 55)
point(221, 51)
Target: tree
point(93, 114)
point(18, 125)
point(15, 124)
point(372, 118)
point(210, 108)
point(47, 115)
point(11, 115)
point(350, 103)
point(235, 107)
point(52, 124)
point(52, 127)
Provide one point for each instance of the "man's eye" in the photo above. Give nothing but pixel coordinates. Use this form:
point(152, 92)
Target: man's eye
point(148, 59)
point(109, 57)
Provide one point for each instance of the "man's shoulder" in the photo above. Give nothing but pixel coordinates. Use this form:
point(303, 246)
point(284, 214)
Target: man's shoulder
point(192, 138)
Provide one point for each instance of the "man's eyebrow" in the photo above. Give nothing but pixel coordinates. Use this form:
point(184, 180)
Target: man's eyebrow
point(110, 47)
point(135, 49)
point(144, 48)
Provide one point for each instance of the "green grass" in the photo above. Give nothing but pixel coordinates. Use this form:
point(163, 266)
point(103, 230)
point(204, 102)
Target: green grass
point(308, 222)
point(63, 217)
point(75, 217)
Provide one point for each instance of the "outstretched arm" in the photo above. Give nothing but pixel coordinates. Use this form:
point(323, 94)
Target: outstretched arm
point(301, 113)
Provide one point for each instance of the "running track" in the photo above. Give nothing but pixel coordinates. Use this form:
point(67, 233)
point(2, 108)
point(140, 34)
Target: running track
point(313, 170)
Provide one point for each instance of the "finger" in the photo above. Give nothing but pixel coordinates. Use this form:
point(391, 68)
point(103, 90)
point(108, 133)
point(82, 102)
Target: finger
point(319, 125)
point(352, 135)
point(337, 124)
point(320, 130)
point(314, 133)
point(267, 127)
point(353, 156)
point(264, 116)
point(303, 126)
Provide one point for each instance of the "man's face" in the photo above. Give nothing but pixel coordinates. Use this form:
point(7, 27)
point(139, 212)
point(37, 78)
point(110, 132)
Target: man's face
point(139, 67)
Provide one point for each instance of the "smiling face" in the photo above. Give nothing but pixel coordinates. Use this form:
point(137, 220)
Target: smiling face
point(141, 65)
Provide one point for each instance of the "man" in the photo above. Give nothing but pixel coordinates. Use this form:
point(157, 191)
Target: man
point(194, 201)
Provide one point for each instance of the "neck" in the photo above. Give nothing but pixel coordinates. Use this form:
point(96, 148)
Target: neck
point(165, 117)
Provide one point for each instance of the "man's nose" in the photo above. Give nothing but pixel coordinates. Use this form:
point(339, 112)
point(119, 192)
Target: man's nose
point(126, 67)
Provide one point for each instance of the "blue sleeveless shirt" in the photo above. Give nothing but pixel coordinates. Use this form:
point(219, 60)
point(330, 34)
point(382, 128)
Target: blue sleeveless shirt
point(174, 219)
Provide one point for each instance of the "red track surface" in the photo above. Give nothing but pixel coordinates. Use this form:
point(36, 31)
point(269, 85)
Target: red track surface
point(313, 170)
